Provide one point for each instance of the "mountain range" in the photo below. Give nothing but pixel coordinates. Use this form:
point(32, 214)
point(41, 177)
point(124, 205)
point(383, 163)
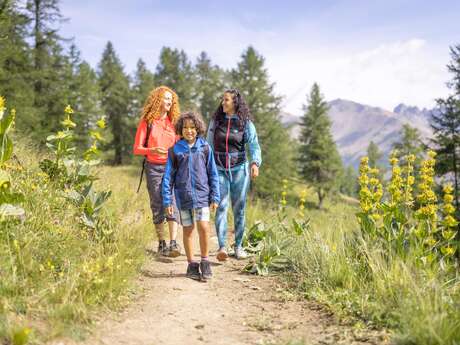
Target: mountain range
point(355, 125)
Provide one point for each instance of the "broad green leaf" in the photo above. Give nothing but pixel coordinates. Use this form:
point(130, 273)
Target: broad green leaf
point(6, 148)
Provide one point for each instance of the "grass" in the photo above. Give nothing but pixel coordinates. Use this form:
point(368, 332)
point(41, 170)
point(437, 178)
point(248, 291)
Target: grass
point(55, 273)
point(333, 264)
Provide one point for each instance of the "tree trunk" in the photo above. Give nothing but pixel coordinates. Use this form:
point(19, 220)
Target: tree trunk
point(320, 198)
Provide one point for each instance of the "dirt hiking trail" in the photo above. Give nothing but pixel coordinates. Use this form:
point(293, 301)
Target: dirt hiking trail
point(233, 308)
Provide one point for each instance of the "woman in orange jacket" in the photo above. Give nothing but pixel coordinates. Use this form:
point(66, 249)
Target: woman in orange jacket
point(155, 135)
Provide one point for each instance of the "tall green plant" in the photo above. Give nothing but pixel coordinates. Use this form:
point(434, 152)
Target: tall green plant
point(8, 199)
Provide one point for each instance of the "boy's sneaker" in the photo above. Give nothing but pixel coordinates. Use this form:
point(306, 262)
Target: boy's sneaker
point(240, 253)
point(205, 268)
point(193, 271)
point(163, 248)
point(222, 254)
point(174, 249)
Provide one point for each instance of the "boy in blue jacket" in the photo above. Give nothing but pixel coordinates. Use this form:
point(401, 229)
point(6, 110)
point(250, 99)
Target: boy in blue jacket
point(191, 171)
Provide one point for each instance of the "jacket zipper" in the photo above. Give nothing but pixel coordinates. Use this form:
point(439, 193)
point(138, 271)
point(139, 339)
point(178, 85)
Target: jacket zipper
point(227, 163)
point(191, 176)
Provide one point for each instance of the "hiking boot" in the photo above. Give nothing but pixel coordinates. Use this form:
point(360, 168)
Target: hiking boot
point(174, 249)
point(205, 268)
point(193, 271)
point(163, 248)
point(222, 254)
point(240, 253)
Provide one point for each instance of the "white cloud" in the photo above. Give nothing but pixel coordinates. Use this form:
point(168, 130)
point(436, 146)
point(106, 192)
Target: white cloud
point(384, 75)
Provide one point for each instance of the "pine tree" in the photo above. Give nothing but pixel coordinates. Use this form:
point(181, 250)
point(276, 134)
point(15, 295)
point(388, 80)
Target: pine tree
point(409, 143)
point(50, 64)
point(374, 154)
point(320, 163)
point(349, 182)
point(86, 102)
point(251, 78)
point(175, 71)
point(16, 65)
point(144, 82)
point(445, 122)
point(454, 68)
point(209, 85)
point(116, 98)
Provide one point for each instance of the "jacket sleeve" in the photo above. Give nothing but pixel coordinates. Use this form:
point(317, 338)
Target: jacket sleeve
point(138, 147)
point(210, 134)
point(253, 144)
point(168, 183)
point(213, 178)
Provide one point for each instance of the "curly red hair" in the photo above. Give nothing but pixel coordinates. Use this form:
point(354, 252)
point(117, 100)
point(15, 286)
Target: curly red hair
point(152, 105)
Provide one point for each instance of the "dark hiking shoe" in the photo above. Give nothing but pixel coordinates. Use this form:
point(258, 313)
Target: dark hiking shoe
point(206, 272)
point(163, 248)
point(193, 271)
point(174, 249)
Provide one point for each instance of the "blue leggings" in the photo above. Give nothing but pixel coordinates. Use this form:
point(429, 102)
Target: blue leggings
point(236, 189)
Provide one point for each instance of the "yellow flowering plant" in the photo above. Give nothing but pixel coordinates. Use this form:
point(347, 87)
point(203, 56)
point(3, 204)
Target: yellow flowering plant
point(426, 214)
point(370, 195)
point(448, 225)
point(402, 220)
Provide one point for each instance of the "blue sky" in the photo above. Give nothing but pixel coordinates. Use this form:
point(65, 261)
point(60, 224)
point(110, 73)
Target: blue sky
point(379, 52)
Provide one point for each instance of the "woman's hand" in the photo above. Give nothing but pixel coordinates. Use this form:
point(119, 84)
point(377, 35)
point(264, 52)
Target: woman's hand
point(159, 151)
point(213, 206)
point(254, 171)
point(169, 211)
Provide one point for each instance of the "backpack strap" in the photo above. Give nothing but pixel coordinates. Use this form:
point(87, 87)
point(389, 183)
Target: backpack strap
point(146, 142)
point(149, 130)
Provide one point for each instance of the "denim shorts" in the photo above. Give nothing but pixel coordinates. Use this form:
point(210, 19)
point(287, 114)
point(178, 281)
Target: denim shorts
point(189, 217)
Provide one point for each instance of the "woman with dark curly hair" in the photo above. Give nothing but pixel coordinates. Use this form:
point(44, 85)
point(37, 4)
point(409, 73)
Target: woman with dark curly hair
point(155, 135)
point(191, 172)
point(230, 132)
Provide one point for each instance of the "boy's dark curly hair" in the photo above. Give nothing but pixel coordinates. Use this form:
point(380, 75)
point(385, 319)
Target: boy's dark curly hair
point(197, 120)
point(241, 108)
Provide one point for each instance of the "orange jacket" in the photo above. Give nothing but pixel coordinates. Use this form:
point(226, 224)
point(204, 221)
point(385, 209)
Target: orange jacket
point(162, 135)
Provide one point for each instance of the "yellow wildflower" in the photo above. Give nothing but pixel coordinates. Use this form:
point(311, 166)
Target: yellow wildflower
point(374, 181)
point(96, 135)
point(430, 241)
point(374, 171)
point(448, 234)
point(376, 216)
point(101, 122)
point(448, 189)
point(410, 158)
point(449, 221)
point(68, 110)
point(68, 123)
point(448, 250)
